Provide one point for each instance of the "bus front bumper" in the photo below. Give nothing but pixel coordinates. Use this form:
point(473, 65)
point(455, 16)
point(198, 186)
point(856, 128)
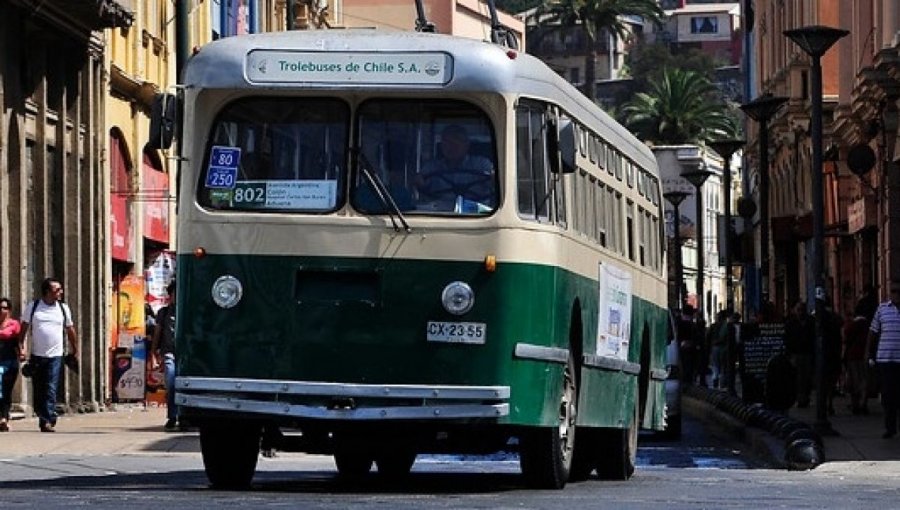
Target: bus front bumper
point(342, 401)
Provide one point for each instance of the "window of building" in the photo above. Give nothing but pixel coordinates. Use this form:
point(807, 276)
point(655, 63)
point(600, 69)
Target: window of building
point(704, 25)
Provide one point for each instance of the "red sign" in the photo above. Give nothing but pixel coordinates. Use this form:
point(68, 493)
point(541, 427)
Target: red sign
point(120, 228)
point(155, 190)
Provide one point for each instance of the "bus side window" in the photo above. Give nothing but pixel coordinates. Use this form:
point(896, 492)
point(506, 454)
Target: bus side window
point(531, 162)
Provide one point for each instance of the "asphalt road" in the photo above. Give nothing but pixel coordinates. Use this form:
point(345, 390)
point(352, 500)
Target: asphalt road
point(697, 472)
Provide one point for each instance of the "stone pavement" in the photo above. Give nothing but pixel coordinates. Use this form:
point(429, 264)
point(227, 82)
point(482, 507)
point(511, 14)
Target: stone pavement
point(124, 429)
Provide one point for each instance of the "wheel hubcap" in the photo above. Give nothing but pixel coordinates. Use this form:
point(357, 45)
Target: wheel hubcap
point(567, 414)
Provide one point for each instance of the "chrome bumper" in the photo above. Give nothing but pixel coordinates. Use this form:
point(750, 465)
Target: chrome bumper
point(353, 401)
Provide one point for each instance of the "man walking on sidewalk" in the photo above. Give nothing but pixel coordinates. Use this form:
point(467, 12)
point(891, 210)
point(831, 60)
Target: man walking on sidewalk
point(50, 321)
point(163, 345)
point(883, 348)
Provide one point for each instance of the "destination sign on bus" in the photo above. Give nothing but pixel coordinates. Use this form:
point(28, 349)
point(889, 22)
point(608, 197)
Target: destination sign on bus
point(297, 195)
point(429, 68)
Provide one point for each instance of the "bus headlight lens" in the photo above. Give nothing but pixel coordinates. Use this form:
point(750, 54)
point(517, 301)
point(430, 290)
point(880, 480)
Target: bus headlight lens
point(227, 291)
point(458, 298)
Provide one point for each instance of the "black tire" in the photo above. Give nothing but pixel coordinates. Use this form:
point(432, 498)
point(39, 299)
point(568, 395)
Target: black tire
point(395, 465)
point(230, 450)
point(673, 428)
point(619, 451)
point(586, 455)
point(352, 464)
point(546, 453)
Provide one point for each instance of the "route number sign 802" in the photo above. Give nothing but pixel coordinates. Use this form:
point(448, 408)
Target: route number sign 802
point(249, 194)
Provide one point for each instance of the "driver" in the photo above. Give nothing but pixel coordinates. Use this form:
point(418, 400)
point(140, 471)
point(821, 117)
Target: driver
point(456, 173)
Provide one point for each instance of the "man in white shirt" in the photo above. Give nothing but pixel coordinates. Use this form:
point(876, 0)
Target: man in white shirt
point(50, 321)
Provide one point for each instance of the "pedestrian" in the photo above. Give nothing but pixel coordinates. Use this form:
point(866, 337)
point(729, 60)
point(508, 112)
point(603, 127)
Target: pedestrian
point(883, 349)
point(855, 333)
point(867, 303)
point(799, 345)
point(702, 352)
point(732, 349)
point(163, 347)
point(832, 325)
point(11, 353)
point(50, 321)
point(687, 345)
point(716, 345)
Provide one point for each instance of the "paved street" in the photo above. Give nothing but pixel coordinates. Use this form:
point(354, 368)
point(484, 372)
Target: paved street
point(124, 458)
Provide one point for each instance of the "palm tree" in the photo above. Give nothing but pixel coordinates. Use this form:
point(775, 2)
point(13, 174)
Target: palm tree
point(679, 107)
point(596, 17)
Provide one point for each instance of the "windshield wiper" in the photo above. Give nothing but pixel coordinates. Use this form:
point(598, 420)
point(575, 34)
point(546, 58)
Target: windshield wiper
point(381, 192)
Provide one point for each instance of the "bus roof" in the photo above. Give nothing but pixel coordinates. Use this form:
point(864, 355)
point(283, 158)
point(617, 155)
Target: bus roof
point(477, 66)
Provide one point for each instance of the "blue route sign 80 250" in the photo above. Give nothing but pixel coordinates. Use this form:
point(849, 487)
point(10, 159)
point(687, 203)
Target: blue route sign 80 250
point(223, 166)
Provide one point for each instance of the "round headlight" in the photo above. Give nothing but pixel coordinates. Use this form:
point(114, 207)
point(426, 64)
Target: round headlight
point(227, 291)
point(458, 298)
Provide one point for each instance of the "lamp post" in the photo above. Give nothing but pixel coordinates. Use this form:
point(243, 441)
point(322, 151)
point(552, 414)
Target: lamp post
point(697, 176)
point(761, 110)
point(726, 149)
point(815, 41)
point(676, 198)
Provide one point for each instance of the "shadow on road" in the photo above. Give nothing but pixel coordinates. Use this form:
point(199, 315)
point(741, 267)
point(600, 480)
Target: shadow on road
point(307, 482)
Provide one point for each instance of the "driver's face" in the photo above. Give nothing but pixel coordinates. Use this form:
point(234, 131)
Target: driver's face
point(454, 147)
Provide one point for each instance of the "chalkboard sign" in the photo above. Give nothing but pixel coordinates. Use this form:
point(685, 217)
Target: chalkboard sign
point(756, 351)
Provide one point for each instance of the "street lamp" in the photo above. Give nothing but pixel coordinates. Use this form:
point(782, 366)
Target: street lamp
point(761, 110)
point(725, 149)
point(676, 198)
point(815, 41)
point(697, 176)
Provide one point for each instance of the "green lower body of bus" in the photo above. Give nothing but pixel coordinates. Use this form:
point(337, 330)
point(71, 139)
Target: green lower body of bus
point(341, 344)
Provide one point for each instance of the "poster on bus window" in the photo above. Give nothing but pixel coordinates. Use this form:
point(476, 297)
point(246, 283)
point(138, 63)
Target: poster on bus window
point(614, 312)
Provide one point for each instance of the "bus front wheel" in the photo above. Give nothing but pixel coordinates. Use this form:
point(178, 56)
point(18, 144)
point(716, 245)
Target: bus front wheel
point(546, 453)
point(230, 451)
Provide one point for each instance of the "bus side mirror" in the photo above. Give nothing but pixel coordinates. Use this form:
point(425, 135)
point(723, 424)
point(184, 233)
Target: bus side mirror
point(552, 142)
point(163, 113)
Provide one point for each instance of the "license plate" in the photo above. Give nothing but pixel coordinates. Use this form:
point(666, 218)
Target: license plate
point(457, 332)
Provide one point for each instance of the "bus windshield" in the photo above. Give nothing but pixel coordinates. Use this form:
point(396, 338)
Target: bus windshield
point(277, 154)
point(433, 156)
point(290, 155)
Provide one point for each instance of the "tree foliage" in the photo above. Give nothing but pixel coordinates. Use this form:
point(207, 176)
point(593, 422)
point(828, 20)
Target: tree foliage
point(680, 106)
point(647, 61)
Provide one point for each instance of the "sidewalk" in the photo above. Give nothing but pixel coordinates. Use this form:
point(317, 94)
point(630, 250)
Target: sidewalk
point(857, 439)
point(860, 435)
point(128, 429)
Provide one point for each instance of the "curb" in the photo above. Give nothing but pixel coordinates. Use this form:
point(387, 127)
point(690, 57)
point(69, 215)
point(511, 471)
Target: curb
point(785, 442)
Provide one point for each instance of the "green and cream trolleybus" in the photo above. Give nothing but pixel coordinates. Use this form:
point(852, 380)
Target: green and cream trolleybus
point(398, 243)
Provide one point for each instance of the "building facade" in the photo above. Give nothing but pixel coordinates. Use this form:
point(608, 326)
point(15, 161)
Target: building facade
point(712, 28)
point(566, 50)
point(53, 178)
point(463, 18)
point(673, 160)
point(860, 93)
